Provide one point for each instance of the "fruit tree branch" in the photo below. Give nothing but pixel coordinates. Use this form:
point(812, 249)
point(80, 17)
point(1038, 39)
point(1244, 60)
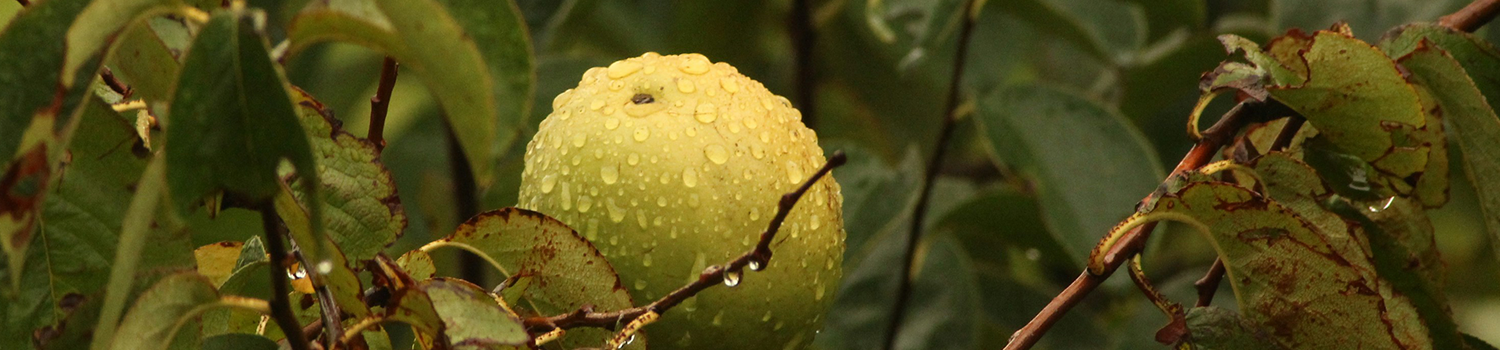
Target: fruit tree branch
point(1132, 242)
point(281, 309)
point(113, 83)
point(950, 117)
point(1473, 16)
point(381, 103)
point(757, 259)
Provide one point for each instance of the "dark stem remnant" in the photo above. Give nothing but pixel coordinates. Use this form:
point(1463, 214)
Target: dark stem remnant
point(1209, 284)
point(1131, 243)
point(757, 259)
point(641, 99)
point(281, 308)
point(1473, 16)
point(111, 81)
point(804, 38)
point(380, 105)
point(950, 118)
point(24, 3)
point(466, 202)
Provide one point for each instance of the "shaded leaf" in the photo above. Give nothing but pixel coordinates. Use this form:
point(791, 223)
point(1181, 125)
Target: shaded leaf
point(157, 316)
point(1214, 328)
point(238, 342)
point(142, 61)
point(29, 44)
point(1065, 143)
point(465, 51)
point(362, 213)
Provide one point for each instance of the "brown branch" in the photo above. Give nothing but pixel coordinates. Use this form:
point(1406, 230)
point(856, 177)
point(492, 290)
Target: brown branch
point(112, 82)
point(331, 314)
point(281, 308)
point(803, 38)
point(381, 103)
point(757, 258)
point(1133, 241)
point(950, 118)
point(1473, 16)
point(1209, 284)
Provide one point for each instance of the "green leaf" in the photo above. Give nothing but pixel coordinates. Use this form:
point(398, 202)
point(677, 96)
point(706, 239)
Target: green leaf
point(473, 55)
point(334, 272)
point(156, 317)
point(472, 317)
point(1067, 144)
point(142, 61)
point(1464, 97)
point(229, 119)
point(1165, 16)
point(31, 53)
point(566, 271)
point(362, 213)
point(1214, 328)
point(102, 21)
point(235, 341)
point(1048, 17)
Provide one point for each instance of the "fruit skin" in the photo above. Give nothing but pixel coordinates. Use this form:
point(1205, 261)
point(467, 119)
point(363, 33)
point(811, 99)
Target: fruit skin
point(669, 164)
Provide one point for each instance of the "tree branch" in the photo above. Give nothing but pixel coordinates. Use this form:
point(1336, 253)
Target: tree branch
point(281, 308)
point(112, 82)
point(757, 259)
point(955, 85)
point(1473, 16)
point(803, 38)
point(381, 103)
point(1132, 242)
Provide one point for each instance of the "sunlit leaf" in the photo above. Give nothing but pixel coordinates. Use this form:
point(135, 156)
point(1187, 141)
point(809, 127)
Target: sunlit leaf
point(1067, 144)
point(216, 261)
point(473, 55)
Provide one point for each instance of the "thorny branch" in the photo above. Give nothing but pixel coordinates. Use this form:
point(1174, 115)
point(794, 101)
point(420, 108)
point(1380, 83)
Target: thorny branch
point(1468, 19)
point(281, 308)
point(757, 259)
point(380, 105)
point(950, 118)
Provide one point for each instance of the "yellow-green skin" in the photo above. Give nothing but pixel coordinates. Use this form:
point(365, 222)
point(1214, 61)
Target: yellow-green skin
point(666, 188)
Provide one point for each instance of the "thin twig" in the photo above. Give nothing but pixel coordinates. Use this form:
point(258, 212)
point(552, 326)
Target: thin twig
point(950, 118)
point(114, 83)
point(1473, 16)
point(757, 258)
point(466, 205)
point(281, 308)
point(1209, 284)
point(381, 103)
point(804, 36)
point(1132, 242)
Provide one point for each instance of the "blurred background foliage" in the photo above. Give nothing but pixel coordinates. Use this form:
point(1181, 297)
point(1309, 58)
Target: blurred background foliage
point(1081, 106)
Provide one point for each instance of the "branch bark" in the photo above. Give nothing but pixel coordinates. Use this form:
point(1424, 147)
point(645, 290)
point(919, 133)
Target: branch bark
point(380, 105)
point(756, 259)
point(955, 85)
point(1473, 16)
point(281, 308)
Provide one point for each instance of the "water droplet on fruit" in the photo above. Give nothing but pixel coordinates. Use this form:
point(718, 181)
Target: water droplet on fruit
point(686, 86)
point(567, 197)
point(716, 153)
point(754, 214)
point(729, 85)
point(814, 224)
point(661, 201)
point(611, 123)
point(819, 294)
point(616, 213)
point(564, 114)
point(646, 260)
point(705, 113)
point(633, 159)
point(623, 68)
point(793, 172)
point(585, 203)
point(640, 284)
point(689, 178)
point(766, 318)
point(757, 151)
point(642, 133)
point(695, 65)
point(719, 318)
point(596, 104)
point(610, 173)
point(548, 182)
point(750, 123)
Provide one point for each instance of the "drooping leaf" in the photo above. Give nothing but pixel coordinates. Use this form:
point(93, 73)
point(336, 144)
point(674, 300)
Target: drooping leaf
point(1214, 328)
point(474, 56)
point(155, 319)
point(229, 119)
point(1052, 137)
point(565, 270)
point(216, 261)
point(1465, 100)
point(470, 316)
point(362, 213)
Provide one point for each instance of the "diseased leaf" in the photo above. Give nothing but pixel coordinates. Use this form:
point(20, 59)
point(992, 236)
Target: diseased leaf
point(1214, 328)
point(566, 271)
point(1051, 137)
point(417, 264)
point(473, 55)
point(362, 213)
point(155, 319)
point(470, 316)
point(30, 44)
point(216, 261)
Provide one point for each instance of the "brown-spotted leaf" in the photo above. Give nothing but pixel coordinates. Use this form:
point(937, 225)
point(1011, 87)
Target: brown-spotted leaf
point(1214, 328)
point(361, 211)
point(565, 271)
point(1308, 282)
point(217, 261)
